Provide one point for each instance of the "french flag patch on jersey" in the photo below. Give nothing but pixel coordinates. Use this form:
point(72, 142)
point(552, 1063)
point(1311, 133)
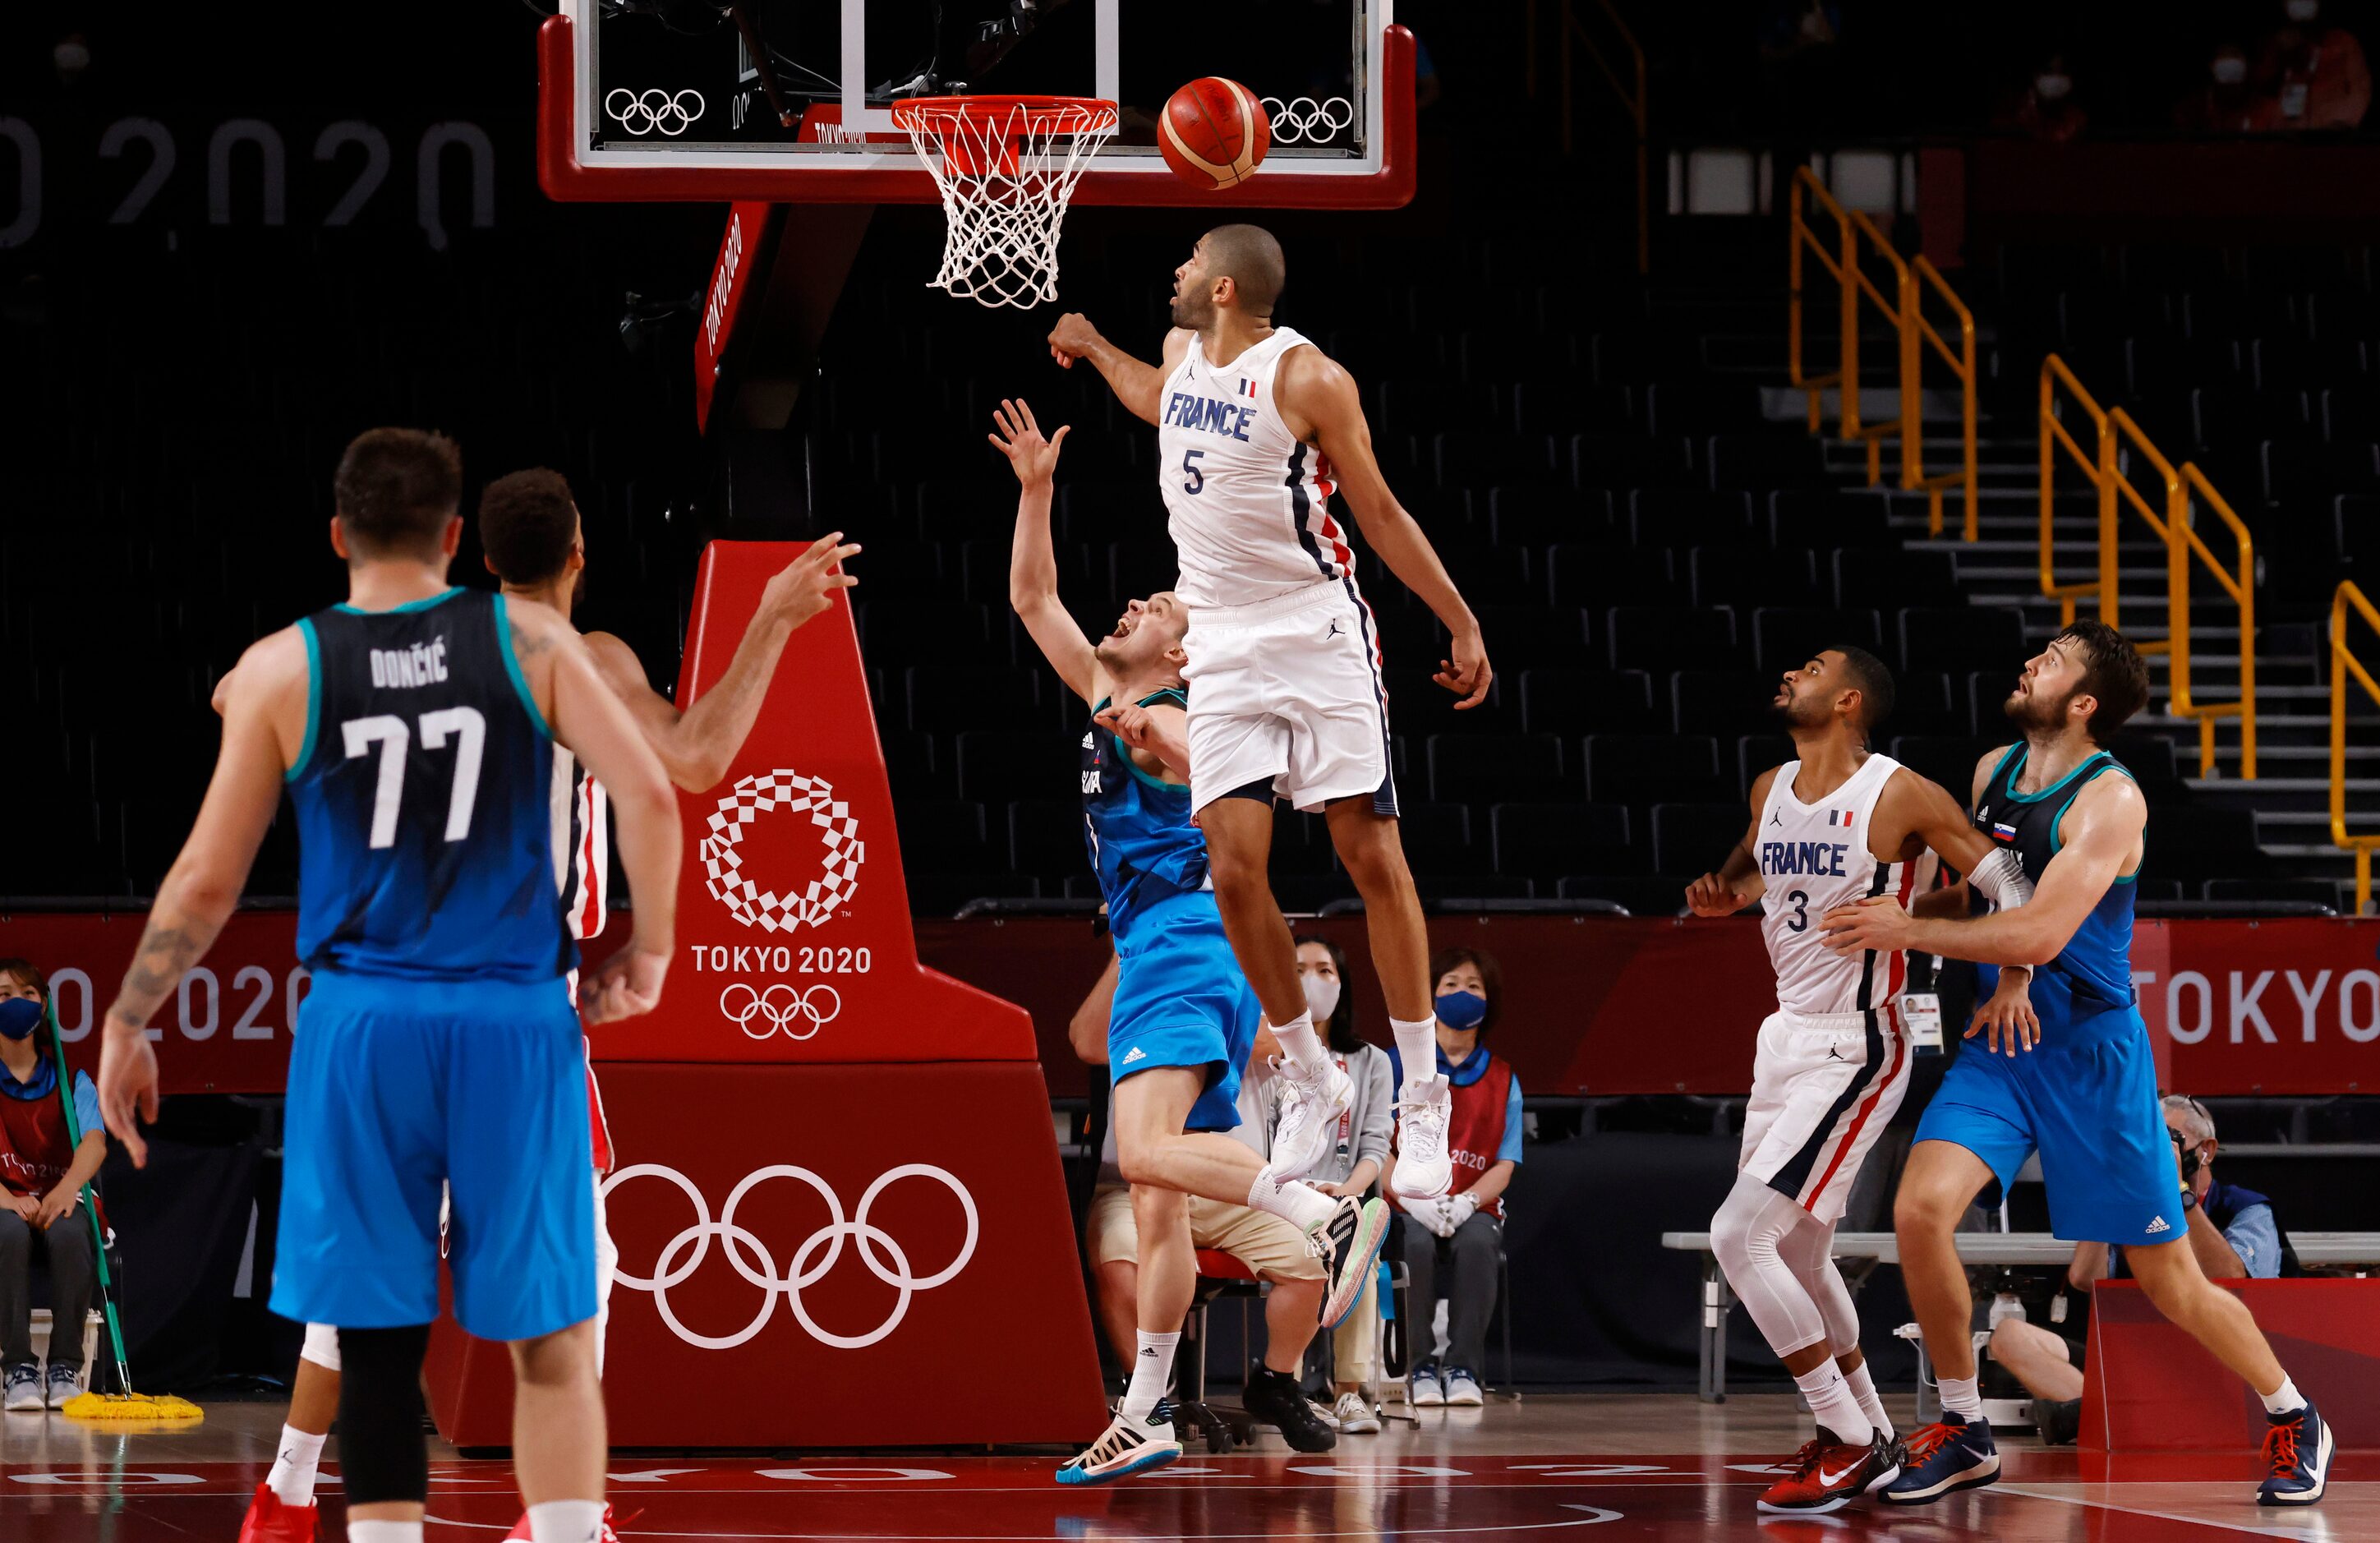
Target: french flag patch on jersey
point(1247, 387)
point(1840, 817)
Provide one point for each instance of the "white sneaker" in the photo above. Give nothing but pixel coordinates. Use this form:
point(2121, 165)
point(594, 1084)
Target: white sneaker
point(1125, 1447)
point(1423, 1390)
point(1311, 1108)
point(1423, 1171)
point(1462, 1387)
point(1356, 1416)
point(23, 1393)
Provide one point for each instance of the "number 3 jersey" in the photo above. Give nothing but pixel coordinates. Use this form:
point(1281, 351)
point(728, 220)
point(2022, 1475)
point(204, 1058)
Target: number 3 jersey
point(1813, 858)
point(423, 790)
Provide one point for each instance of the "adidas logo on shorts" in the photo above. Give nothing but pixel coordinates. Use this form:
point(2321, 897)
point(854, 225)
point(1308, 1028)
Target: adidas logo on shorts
point(1136, 1053)
point(2157, 1224)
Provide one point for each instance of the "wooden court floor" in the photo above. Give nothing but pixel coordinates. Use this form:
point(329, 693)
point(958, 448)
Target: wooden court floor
point(1539, 1471)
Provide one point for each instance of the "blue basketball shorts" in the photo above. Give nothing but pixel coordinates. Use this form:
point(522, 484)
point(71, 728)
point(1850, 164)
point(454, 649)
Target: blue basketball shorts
point(1180, 1000)
point(403, 1093)
point(2086, 1099)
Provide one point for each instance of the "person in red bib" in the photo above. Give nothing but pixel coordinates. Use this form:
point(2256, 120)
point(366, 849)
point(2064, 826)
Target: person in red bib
point(42, 1170)
point(1452, 1241)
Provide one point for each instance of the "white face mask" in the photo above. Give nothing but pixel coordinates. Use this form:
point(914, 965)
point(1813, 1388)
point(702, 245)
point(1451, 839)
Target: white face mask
point(2230, 72)
point(1322, 997)
point(2304, 11)
point(2053, 88)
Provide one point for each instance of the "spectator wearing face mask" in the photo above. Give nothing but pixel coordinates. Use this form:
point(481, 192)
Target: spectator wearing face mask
point(2047, 110)
point(42, 1170)
point(2314, 73)
point(1358, 1154)
point(1451, 1244)
point(2226, 104)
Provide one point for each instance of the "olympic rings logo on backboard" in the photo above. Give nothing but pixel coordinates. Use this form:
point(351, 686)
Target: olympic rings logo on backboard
point(816, 1255)
point(779, 1008)
point(653, 112)
point(723, 859)
point(1303, 120)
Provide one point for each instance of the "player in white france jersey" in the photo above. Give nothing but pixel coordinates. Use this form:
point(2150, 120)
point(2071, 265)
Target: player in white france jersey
point(1256, 430)
point(1831, 827)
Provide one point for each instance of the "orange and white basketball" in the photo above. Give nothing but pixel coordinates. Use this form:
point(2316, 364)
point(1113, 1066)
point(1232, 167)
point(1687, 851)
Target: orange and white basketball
point(1214, 133)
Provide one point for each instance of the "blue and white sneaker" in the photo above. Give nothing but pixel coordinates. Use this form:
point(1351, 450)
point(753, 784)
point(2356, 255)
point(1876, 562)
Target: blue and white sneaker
point(1125, 1447)
point(1944, 1458)
point(2297, 1457)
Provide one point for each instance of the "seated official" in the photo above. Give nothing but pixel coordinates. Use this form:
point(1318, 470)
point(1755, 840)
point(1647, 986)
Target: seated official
point(2232, 1231)
point(1274, 1250)
point(1452, 1243)
point(42, 1170)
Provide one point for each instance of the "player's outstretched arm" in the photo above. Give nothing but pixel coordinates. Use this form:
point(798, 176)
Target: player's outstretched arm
point(1737, 883)
point(2103, 830)
point(697, 745)
point(264, 705)
point(1311, 387)
point(1032, 564)
point(1137, 385)
point(585, 716)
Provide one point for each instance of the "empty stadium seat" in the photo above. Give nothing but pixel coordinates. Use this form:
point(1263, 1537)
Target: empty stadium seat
point(1000, 766)
point(952, 698)
point(1696, 838)
point(1786, 638)
point(1045, 837)
point(1972, 637)
point(1572, 703)
point(1650, 769)
point(1662, 638)
point(1720, 702)
point(1479, 768)
point(1558, 838)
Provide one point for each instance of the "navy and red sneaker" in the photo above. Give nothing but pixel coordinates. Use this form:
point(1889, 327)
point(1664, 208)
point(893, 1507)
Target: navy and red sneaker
point(1829, 1473)
point(1944, 1458)
point(2297, 1458)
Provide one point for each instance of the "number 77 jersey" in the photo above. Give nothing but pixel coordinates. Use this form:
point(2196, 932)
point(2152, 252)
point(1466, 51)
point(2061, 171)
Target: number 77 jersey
point(1813, 858)
point(423, 791)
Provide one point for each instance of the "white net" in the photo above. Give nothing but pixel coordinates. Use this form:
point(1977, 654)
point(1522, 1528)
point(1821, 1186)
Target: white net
point(1007, 168)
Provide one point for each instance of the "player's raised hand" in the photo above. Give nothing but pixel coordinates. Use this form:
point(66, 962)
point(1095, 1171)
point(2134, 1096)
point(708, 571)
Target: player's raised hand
point(1711, 895)
point(805, 587)
point(1071, 338)
point(627, 984)
point(128, 1085)
point(1034, 458)
point(1132, 724)
point(1466, 674)
point(1879, 922)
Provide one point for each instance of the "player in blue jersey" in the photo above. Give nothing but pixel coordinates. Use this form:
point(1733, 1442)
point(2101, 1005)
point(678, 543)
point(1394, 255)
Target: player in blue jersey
point(2072, 1076)
point(1184, 1016)
point(414, 728)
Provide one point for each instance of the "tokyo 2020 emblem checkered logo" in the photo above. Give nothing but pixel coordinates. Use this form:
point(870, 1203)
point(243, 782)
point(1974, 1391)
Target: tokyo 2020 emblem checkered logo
point(745, 897)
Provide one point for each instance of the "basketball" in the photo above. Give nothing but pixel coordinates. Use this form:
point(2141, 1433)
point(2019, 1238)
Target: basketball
point(1214, 133)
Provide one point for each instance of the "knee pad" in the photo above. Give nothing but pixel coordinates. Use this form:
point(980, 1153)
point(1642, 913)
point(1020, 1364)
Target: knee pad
point(384, 1457)
point(321, 1346)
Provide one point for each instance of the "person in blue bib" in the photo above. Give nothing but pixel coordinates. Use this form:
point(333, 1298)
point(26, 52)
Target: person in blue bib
point(2067, 1072)
point(1184, 1016)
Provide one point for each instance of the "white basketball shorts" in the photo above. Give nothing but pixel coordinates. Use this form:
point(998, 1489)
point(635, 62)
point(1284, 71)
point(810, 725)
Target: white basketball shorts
point(1823, 1090)
point(1288, 692)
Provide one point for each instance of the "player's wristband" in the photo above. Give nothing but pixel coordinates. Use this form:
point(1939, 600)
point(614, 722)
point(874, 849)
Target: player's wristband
point(2189, 1198)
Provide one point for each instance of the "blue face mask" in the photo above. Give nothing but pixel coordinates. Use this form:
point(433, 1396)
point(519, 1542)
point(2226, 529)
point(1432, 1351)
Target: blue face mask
point(19, 1017)
point(1462, 1009)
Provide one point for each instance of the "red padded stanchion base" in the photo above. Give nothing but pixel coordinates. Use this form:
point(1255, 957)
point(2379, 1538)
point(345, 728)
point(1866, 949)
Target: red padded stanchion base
point(2150, 1388)
point(898, 1269)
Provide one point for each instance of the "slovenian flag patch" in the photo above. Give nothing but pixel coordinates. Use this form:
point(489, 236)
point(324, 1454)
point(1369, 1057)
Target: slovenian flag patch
point(2005, 832)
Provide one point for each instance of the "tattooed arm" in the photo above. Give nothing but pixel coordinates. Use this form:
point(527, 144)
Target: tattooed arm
point(264, 719)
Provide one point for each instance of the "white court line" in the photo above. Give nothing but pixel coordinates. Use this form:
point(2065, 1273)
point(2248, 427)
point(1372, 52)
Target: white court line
point(1595, 1516)
point(2317, 1527)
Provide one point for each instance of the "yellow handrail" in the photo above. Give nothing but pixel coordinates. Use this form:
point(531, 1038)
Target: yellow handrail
point(2342, 663)
point(1631, 101)
point(1904, 309)
point(2242, 587)
point(2114, 433)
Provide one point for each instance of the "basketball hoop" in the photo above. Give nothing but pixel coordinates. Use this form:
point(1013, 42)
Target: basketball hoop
point(1006, 166)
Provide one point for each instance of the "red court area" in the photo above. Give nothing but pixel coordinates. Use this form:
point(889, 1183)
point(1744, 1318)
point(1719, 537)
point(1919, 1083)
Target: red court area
point(1355, 1494)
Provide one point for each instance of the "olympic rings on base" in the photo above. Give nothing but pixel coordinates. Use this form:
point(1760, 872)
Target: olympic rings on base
point(779, 1008)
point(810, 1261)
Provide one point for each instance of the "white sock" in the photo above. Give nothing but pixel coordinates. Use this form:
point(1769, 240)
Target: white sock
point(293, 1469)
point(1871, 1403)
point(1301, 1047)
point(1417, 1048)
point(1301, 1206)
point(383, 1532)
point(562, 1522)
point(1964, 1396)
point(1831, 1401)
point(1152, 1370)
point(2284, 1399)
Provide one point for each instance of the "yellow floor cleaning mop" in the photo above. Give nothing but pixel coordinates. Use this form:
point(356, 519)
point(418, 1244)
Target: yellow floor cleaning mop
point(126, 1404)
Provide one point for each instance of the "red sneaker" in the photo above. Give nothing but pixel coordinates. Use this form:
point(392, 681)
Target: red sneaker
point(520, 1529)
point(272, 1519)
point(1829, 1475)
